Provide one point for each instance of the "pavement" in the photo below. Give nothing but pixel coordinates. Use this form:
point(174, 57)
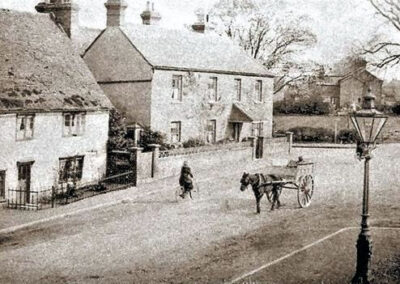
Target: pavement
point(12, 220)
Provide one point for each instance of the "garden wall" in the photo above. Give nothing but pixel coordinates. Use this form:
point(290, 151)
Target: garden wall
point(391, 131)
point(158, 165)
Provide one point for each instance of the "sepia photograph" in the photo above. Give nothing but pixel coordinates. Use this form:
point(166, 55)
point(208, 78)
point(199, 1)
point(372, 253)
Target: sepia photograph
point(200, 141)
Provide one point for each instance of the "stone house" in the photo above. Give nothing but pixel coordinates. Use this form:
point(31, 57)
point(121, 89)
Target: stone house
point(354, 86)
point(340, 91)
point(185, 84)
point(53, 115)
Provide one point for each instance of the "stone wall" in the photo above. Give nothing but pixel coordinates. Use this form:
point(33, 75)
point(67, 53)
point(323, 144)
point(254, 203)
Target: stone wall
point(196, 107)
point(158, 165)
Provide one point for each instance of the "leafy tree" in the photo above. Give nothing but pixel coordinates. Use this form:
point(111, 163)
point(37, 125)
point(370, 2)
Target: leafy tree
point(117, 132)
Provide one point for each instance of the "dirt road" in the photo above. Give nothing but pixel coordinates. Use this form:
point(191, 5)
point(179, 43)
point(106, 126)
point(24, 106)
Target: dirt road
point(212, 239)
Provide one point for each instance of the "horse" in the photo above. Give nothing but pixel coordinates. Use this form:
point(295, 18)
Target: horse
point(257, 182)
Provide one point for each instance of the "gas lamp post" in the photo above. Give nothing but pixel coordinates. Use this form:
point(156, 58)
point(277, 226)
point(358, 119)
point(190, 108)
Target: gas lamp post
point(368, 123)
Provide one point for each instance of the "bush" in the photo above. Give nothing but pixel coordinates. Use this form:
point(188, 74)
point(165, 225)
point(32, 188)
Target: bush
point(396, 109)
point(310, 134)
point(347, 136)
point(117, 135)
point(308, 106)
point(193, 142)
point(148, 137)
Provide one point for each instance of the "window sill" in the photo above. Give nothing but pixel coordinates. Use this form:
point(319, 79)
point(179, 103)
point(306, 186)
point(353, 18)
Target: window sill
point(77, 135)
point(25, 139)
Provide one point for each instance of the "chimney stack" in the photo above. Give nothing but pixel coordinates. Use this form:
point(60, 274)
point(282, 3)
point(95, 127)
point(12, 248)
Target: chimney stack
point(115, 12)
point(150, 16)
point(66, 14)
point(200, 26)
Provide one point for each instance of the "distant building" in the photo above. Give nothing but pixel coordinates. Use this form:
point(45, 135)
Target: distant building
point(185, 84)
point(53, 115)
point(341, 91)
point(354, 86)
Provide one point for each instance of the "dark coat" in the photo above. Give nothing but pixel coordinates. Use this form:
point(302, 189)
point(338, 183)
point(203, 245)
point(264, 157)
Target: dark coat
point(186, 177)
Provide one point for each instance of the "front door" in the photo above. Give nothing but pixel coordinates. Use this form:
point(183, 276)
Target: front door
point(259, 147)
point(236, 127)
point(24, 181)
point(2, 185)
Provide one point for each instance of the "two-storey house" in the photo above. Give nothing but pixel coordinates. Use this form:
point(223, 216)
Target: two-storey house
point(53, 114)
point(183, 83)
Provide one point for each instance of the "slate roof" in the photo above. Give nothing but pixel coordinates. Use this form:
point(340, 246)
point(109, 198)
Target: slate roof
point(181, 49)
point(39, 69)
point(242, 112)
point(83, 38)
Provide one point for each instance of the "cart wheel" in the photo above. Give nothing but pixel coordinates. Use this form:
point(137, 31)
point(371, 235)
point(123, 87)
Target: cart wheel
point(305, 190)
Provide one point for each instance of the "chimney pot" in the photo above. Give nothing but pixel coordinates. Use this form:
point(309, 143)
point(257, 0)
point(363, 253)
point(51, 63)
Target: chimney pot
point(115, 12)
point(150, 17)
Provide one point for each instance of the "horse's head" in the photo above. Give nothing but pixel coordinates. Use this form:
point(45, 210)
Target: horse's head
point(244, 181)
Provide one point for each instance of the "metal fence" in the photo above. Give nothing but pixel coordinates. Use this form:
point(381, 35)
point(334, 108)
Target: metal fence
point(66, 193)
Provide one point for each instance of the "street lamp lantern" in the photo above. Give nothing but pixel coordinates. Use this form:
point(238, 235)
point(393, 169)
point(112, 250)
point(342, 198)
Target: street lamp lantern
point(368, 123)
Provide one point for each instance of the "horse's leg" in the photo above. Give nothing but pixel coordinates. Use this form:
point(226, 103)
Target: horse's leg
point(278, 194)
point(274, 197)
point(258, 204)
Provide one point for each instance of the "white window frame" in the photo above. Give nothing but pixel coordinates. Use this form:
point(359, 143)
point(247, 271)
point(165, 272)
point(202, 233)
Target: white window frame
point(177, 89)
point(176, 131)
point(213, 89)
point(259, 90)
point(25, 126)
point(75, 171)
point(76, 125)
point(238, 89)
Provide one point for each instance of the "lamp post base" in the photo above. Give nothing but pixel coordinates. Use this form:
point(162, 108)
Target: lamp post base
point(364, 252)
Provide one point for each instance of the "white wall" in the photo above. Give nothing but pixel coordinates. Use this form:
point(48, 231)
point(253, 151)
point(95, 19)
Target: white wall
point(48, 145)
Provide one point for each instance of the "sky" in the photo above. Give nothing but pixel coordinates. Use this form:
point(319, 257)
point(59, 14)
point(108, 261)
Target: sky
point(338, 24)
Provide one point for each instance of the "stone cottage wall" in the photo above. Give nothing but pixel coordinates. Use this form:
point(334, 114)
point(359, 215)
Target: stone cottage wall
point(196, 108)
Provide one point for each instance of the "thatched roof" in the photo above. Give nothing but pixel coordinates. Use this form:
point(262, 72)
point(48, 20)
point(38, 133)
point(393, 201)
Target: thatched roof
point(40, 70)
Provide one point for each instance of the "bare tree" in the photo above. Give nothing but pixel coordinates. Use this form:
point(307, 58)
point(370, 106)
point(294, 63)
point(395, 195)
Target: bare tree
point(253, 24)
point(385, 52)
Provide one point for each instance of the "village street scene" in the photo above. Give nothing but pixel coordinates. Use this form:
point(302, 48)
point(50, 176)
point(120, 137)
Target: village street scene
point(207, 141)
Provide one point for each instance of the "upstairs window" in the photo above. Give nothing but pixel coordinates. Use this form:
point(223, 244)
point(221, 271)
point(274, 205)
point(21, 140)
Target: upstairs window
point(74, 124)
point(25, 125)
point(238, 89)
point(258, 89)
point(177, 88)
point(71, 169)
point(213, 89)
point(175, 131)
